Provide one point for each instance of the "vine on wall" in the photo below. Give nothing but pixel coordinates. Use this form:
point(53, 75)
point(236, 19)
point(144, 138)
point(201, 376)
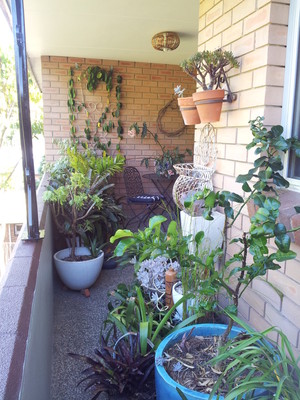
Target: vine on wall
point(96, 126)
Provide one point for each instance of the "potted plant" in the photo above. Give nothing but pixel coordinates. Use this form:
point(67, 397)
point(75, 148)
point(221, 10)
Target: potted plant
point(209, 69)
point(236, 274)
point(164, 163)
point(187, 107)
point(80, 199)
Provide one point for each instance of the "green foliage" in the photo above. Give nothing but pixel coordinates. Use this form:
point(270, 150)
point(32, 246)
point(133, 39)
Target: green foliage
point(209, 68)
point(122, 369)
point(258, 363)
point(164, 163)
point(134, 312)
point(94, 76)
point(260, 184)
point(80, 194)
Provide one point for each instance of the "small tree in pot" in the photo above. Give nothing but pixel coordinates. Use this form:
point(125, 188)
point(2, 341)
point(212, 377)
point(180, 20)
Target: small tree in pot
point(80, 196)
point(209, 70)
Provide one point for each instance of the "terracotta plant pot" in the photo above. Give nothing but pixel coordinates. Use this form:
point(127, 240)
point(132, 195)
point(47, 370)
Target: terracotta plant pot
point(209, 104)
point(188, 111)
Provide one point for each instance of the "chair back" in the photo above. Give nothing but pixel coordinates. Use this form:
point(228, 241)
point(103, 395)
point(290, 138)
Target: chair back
point(133, 182)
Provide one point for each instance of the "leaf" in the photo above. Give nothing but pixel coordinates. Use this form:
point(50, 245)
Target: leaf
point(283, 242)
point(244, 178)
point(280, 256)
point(236, 198)
point(199, 237)
point(246, 188)
point(297, 209)
point(260, 161)
point(210, 200)
point(155, 221)
point(279, 229)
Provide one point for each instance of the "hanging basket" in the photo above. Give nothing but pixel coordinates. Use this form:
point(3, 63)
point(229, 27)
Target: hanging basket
point(188, 111)
point(191, 179)
point(209, 104)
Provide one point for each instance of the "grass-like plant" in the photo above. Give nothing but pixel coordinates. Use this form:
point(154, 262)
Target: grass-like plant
point(258, 367)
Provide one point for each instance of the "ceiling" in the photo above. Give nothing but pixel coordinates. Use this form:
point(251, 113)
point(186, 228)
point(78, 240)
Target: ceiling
point(111, 29)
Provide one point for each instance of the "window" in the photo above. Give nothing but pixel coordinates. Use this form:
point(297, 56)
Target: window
point(291, 96)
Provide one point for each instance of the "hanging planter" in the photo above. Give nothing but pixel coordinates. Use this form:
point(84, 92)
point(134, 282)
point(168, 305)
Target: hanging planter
point(209, 69)
point(209, 104)
point(188, 111)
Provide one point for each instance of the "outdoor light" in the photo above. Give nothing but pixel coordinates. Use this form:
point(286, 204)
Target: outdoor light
point(165, 41)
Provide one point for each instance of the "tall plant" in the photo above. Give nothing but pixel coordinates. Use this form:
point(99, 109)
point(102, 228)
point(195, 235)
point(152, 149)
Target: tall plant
point(79, 191)
point(260, 185)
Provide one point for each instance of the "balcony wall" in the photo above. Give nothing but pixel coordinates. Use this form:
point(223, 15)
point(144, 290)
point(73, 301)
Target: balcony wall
point(146, 88)
point(26, 315)
point(256, 32)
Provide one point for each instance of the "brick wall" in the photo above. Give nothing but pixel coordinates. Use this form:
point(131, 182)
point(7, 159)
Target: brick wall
point(146, 88)
point(256, 32)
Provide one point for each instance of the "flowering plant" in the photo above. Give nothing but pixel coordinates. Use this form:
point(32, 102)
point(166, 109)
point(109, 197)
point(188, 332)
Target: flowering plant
point(164, 163)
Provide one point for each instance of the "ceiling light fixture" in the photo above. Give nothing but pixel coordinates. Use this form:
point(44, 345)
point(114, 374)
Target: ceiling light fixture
point(165, 41)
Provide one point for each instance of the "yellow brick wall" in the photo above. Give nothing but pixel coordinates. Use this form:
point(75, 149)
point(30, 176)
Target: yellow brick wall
point(256, 32)
point(145, 90)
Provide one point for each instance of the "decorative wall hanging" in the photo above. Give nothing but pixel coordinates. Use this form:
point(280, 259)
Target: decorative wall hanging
point(172, 104)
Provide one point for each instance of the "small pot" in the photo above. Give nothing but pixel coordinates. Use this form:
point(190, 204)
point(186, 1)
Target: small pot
point(209, 104)
point(188, 111)
point(78, 275)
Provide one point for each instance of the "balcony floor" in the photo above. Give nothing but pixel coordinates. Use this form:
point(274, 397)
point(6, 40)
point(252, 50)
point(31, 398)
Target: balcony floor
point(77, 325)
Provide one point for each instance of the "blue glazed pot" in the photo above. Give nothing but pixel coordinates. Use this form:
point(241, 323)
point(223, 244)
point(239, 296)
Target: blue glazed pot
point(165, 385)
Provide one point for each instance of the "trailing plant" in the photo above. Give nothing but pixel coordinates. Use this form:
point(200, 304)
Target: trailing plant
point(259, 368)
point(167, 159)
point(79, 192)
point(94, 76)
point(209, 68)
point(260, 186)
point(120, 369)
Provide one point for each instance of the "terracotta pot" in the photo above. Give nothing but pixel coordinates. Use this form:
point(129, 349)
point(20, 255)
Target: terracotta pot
point(209, 104)
point(188, 111)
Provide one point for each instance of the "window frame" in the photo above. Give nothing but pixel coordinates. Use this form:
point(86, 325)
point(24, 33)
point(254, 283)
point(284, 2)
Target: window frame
point(293, 47)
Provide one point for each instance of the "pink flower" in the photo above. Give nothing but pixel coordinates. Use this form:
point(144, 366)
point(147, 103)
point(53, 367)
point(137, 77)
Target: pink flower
point(170, 172)
point(131, 133)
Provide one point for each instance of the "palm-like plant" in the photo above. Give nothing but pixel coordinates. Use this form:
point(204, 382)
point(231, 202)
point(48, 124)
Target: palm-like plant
point(79, 192)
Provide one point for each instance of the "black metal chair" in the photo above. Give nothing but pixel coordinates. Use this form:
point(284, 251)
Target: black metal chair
point(141, 204)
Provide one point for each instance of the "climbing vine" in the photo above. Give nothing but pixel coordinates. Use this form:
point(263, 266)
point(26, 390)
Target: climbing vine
point(96, 127)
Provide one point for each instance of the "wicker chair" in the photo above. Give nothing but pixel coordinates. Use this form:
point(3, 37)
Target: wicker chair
point(141, 204)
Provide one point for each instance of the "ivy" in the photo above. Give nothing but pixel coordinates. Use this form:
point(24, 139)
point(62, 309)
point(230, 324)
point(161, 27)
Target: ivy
point(93, 76)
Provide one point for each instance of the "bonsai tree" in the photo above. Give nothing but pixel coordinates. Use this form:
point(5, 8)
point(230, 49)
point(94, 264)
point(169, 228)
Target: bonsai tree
point(209, 68)
point(260, 185)
point(79, 192)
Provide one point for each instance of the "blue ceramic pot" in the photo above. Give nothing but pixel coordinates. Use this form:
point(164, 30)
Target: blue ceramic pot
point(165, 385)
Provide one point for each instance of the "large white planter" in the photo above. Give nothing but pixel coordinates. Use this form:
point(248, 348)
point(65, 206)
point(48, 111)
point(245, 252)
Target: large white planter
point(213, 230)
point(78, 275)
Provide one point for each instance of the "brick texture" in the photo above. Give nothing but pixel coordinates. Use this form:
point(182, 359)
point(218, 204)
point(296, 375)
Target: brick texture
point(145, 90)
point(256, 32)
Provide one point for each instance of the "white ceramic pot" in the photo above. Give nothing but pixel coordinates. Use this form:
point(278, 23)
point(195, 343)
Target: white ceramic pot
point(78, 275)
point(177, 296)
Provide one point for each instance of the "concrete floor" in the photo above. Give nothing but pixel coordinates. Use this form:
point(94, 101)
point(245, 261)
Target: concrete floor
point(77, 326)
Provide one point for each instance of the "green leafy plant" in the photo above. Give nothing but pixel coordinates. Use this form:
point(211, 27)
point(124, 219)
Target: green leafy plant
point(93, 76)
point(135, 314)
point(79, 193)
point(120, 369)
point(167, 159)
point(209, 68)
point(153, 241)
point(259, 368)
point(260, 184)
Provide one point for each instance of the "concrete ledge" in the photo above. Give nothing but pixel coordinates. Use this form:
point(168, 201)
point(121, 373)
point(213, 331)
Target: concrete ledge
point(16, 299)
